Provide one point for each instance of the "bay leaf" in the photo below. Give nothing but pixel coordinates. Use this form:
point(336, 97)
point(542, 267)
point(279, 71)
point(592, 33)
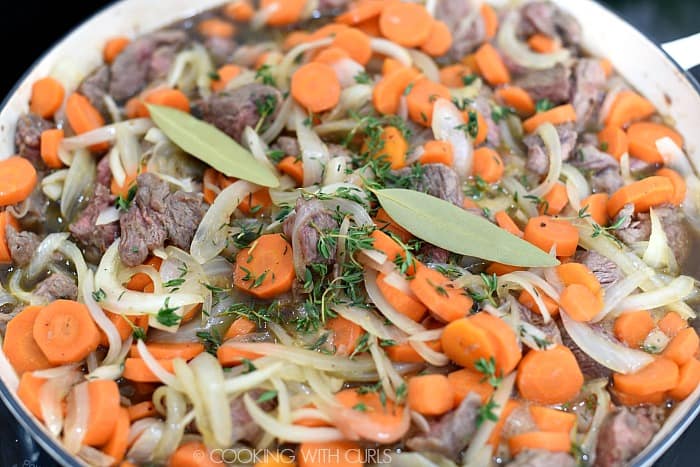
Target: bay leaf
point(445, 225)
point(211, 145)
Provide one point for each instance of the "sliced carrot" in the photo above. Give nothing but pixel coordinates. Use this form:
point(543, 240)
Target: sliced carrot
point(549, 376)
point(306, 82)
point(141, 410)
point(659, 375)
point(239, 10)
point(546, 233)
point(556, 116)
point(672, 323)
point(359, 12)
point(330, 453)
point(169, 98)
point(683, 346)
point(387, 245)
point(628, 106)
point(577, 273)
point(488, 165)
point(113, 47)
point(327, 31)
point(630, 400)
point(345, 335)
point(596, 206)
point(580, 303)
point(169, 351)
point(407, 24)
point(121, 322)
point(495, 438)
point(284, 11)
point(505, 222)
point(453, 76)
point(356, 43)
point(465, 381)
point(118, 441)
point(632, 327)
point(421, 100)
point(256, 203)
point(47, 97)
point(240, 327)
point(370, 27)
point(517, 98)
point(266, 268)
point(437, 152)
point(17, 180)
point(104, 411)
point(679, 186)
point(613, 140)
point(65, 332)
point(388, 91)
point(135, 108)
point(331, 55)
point(542, 43)
point(393, 148)
point(644, 194)
point(491, 65)
point(642, 137)
point(139, 281)
point(688, 379)
point(508, 352)
point(50, 141)
point(541, 440)
point(483, 127)
point(386, 223)
point(443, 299)
point(422, 392)
point(295, 38)
point(216, 27)
point(527, 300)
point(465, 343)
point(229, 356)
point(555, 200)
point(381, 419)
point(490, 18)
point(390, 65)
point(469, 203)
point(81, 114)
point(470, 62)
point(548, 419)
point(405, 353)
point(29, 391)
point(224, 74)
point(135, 369)
point(607, 67)
point(192, 454)
point(293, 167)
point(439, 41)
point(405, 304)
point(500, 269)
point(6, 219)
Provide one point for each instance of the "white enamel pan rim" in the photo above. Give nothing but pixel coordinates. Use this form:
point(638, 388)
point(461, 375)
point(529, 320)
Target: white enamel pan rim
point(645, 65)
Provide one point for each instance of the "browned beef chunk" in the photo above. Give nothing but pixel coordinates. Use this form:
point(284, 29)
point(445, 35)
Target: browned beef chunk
point(22, 245)
point(305, 225)
point(589, 367)
point(28, 137)
point(553, 84)
point(607, 272)
point(433, 254)
point(147, 58)
point(547, 18)
point(602, 169)
point(232, 111)
point(56, 286)
point(288, 145)
point(436, 180)
point(244, 428)
point(452, 433)
point(220, 49)
point(156, 216)
point(95, 239)
point(104, 172)
point(606, 181)
point(537, 158)
point(588, 91)
point(625, 433)
point(467, 35)
point(95, 87)
point(541, 458)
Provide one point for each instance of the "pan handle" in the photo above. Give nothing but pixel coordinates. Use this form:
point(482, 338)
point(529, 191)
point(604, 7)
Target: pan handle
point(685, 51)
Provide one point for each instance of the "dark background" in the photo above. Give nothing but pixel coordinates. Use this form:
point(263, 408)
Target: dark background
point(27, 29)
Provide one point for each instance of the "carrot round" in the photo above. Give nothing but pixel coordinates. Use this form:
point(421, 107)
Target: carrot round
point(542, 43)
point(508, 352)
point(388, 91)
point(437, 152)
point(490, 18)
point(672, 323)
point(544, 440)
point(683, 346)
point(224, 74)
point(17, 180)
point(121, 322)
point(491, 65)
point(642, 137)
point(465, 343)
point(307, 81)
point(549, 376)
point(239, 10)
point(387, 245)
point(356, 43)
point(330, 453)
point(266, 268)
point(453, 76)
point(19, 345)
point(659, 375)
point(104, 411)
point(505, 222)
point(628, 106)
point(488, 165)
point(548, 419)
point(256, 202)
point(630, 400)
point(6, 219)
point(141, 410)
point(327, 31)
point(370, 27)
point(82, 115)
point(284, 11)
point(167, 350)
point(500, 269)
point(331, 55)
point(422, 392)
point(495, 438)
point(293, 167)
point(613, 140)
point(230, 356)
point(386, 223)
point(644, 194)
point(405, 353)
point(526, 299)
point(436, 291)
point(688, 379)
point(580, 303)
point(545, 233)
point(118, 440)
point(113, 47)
point(65, 332)
point(215, 27)
point(135, 369)
point(359, 12)
point(295, 38)
point(597, 207)
point(556, 116)
point(632, 327)
point(240, 327)
point(380, 415)
point(407, 24)
point(192, 454)
point(607, 67)
point(517, 98)
point(577, 273)
point(345, 335)
point(393, 148)
point(679, 186)
point(405, 304)
point(555, 200)
point(29, 390)
point(47, 97)
point(135, 108)
point(421, 100)
point(169, 98)
point(465, 381)
point(440, 40)
point(50, 141)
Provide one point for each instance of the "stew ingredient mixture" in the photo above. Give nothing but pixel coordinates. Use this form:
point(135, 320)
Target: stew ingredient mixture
point(334, 233)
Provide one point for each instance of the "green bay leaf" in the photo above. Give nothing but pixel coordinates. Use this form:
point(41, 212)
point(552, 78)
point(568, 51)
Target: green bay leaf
point(211, 145)
point(445, 225)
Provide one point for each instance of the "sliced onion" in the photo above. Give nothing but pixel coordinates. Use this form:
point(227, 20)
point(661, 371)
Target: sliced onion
point(675, 158)
point(370, 322)
point(399, 320)
point(658, 253)
point(691, 203)
point(52, 186)
point(335, 171)
point(578, 181)
point(429, 355)
point(346, 69)
point(388, 376)
point(528, 281)
point(602, 408)
point(425, 64)
point(551, 140)
point(617, 357)
point(144, 445)
point(446, 125)
point(116, 167)
point(352, 98)
point(610, 98)
point(397, 281)
point(283, 71)
point(391, 49)
point(108, 215)
point(210, 383)
point(51, 396)
point(161, 373)
point(619, 291)
point(78, 410)
point(625, 169)
point(677, 290)
point(359, 214)
point(258, 148)
point(192, 69)
point(314, 152)
point(514, 187)
point(129, 148)
point(95, 457)
point(106, 134)
point(105, 324)
point(43, 255)
point(247, 381)
point(276, 127)
point(520, 52)
point(79, 180)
